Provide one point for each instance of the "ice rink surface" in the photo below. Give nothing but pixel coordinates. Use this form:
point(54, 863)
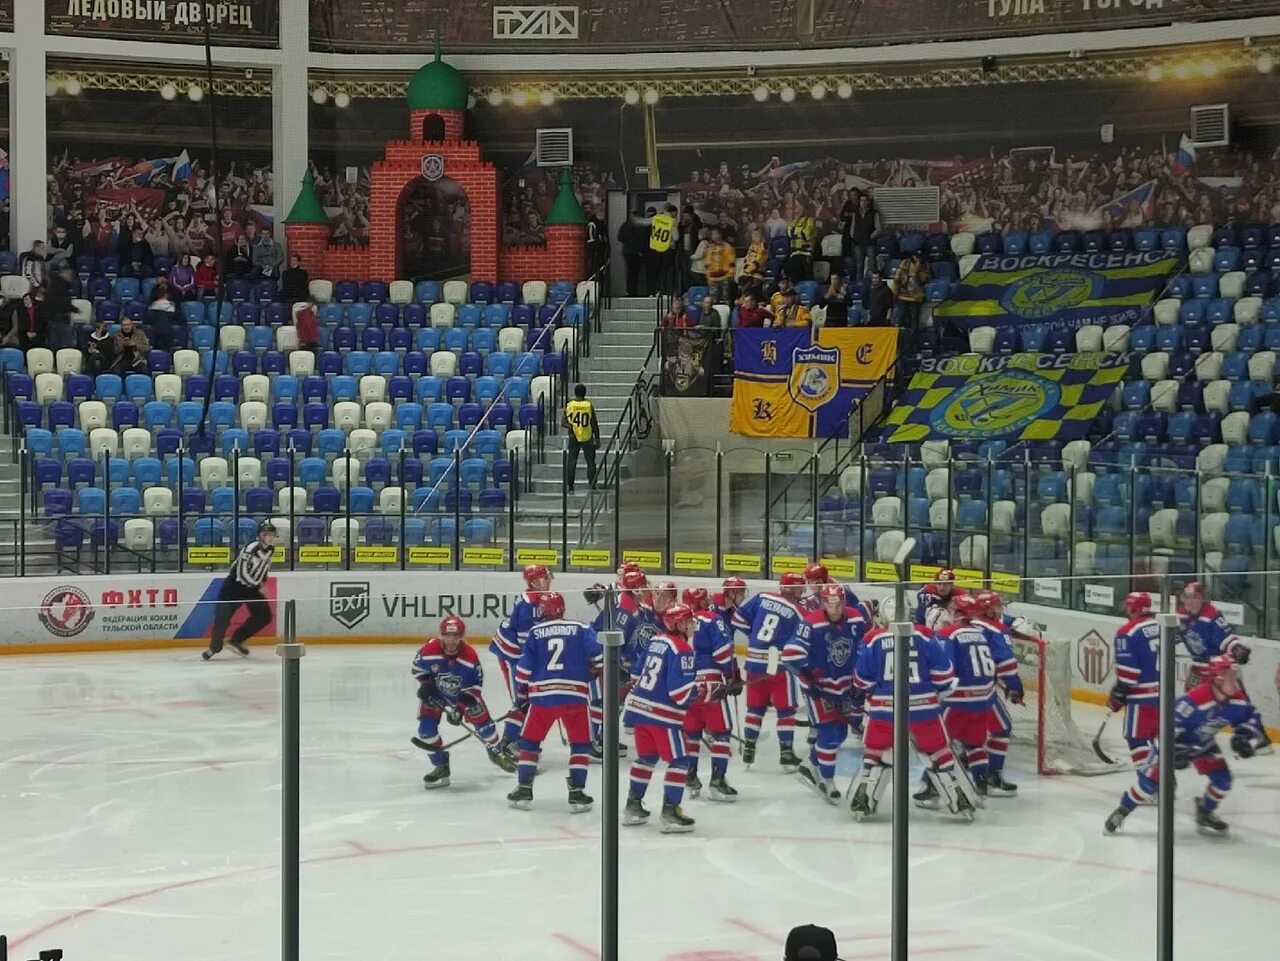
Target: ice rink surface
point(139, 798)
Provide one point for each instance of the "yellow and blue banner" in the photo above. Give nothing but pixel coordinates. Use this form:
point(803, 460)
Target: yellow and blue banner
point(1018, 397)
point(1058, 290)
point(804, 382)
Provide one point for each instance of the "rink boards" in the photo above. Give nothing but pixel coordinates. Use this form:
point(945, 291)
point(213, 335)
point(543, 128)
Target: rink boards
point(132, 612)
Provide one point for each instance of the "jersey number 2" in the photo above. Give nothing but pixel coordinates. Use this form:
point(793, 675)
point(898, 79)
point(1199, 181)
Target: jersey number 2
point(555, 651)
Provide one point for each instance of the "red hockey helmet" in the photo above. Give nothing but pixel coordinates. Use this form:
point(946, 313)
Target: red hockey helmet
point(816, 573)
point(735, 590)
point(967, 606)
point(551, 605)
point(791, 584)
point(733, 583)
point(626, 567)
point(1217, 666)
point(1223, 676)
point(945, 578)
point(833, 599)
point(634, 581)
point(1137, 602)
point(676, 616)
point(454, 625)
point(697, 598)
point(990, 601)
point(664, 593)
point(537, 576)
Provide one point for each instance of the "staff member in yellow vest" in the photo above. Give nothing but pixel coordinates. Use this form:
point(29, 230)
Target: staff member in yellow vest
point(663, 241)
point(584, 434)
point(802, 231)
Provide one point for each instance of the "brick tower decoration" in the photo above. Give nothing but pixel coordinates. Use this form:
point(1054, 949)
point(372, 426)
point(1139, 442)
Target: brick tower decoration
point(436, 150)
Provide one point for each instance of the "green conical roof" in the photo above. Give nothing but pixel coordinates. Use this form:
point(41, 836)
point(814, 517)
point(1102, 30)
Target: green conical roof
point(437, 86)
point(566, 211)
point(307, 209)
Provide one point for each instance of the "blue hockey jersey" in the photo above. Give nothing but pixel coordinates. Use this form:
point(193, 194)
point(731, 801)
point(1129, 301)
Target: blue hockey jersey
point(511, 633)
point(559, 661)
point(713, 661)
point(932, 674)
point(770, 621)
point(813, 602)
point(1002, 650)
point(1206, 634)
point(979, 654)
point(1137, 655)
point(824, 658)
point(451, 677)
point(664, 685)
point(1198, 717)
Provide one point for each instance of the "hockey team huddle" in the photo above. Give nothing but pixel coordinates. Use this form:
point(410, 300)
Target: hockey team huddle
point(812, 647)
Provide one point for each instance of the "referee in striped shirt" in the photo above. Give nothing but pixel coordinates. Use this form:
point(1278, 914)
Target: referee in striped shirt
point(243, 585)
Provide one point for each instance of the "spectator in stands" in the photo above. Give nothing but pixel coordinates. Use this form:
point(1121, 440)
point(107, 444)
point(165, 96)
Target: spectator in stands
point(57, 305)
point(864, 227)
point(100, 354)
point(268, 257)
point(836, 299)
point(238, 263)
point(677, 315)
point(308, 325)
point(691, 227)
point(634, 238)
point(697, 264)
point(161, 317)
point(779, 295)
point(597, 240)
point(231, 231)
point(708, 315)
point(295, 282)
point(135, 255)
point(908, 288)
point(27, 326)
point(802, 231)
point(721, 259)
point(182, 279)
point(31, 264)
point(62, 246)
point(131, 348)
point(751, 313)
point(207, 276)
point(879, 301)
point(792, 313)
point(756, 257)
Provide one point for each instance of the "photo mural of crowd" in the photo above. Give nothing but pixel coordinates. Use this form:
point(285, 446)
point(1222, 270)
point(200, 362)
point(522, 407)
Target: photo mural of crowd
point(96, 204)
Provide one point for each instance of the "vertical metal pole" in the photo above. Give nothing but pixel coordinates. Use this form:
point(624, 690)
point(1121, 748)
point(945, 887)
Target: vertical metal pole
point(666, 544)
point(564, 505)
point(991, 509)
point(293, 534)
point(1195, 532)
point(1268, 528)
point(720, 510)
point(611, 640)
point(1071, 528)
point(1164, 838)
point(768, 523)
point(235, 506)
point(457, 508)
point(511, 520)
point(901, 770)
point(182, 524)
point(28, 467)
point(617, 508)
point(404, 548)
point(106, 511)
point(290, 653)
point(813, 501)
point(1133, 521)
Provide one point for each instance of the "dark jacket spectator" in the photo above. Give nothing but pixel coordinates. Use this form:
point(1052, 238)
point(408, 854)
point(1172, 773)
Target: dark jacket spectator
point(100, 353)
point(295, 282)
point(182, 280)
point(633, 235)
point(32, 264)
point(836, 299)
point(162, 315)
point(238, 264)
point(879, 301)
point(26, 325)
point(57, 305)
point(131, 348)
point(135, 255)
point(268, 257)
point(62, 246)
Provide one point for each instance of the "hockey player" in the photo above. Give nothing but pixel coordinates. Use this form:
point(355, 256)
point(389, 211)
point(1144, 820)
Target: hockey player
point(770, 621)
point(979, 655)
point(932, 678)
point(997, 626)
point(553, 678)
point(933, 598)
point(1206, 634)
point(634, 618)
point(816, 577)
point(509, 639)
point(823, 661)
point(714, 665)
point(655, 708)
point(451, 685)
point(733, 591)
point(1137, 687)
point(1218, 700)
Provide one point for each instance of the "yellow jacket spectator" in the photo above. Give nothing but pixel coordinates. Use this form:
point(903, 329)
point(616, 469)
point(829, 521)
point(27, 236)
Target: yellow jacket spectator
point(802, 232)
point(792, 313)
point(779, 298)
point(757, 254)
point(721, 259)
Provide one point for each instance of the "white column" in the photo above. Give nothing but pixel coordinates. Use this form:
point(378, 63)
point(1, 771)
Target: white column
point(291, 128)
point(28, 143)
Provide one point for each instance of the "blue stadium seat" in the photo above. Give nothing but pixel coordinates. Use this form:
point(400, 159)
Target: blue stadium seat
point(427, 292)
point(374, 292)
point(1146, 239)
point(1263, 429)
point(989, 242)
point(454, 440)
point(1219, 311)
point(1204, 286)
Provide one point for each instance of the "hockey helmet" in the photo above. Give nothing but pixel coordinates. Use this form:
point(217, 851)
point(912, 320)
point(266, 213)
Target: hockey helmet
point(791, 584)
point(967, 606)
point(453, 624)
point(1222, 674)
point(735, 590)
point(627, 567)
point(537, 576)
point(816, 573)
point(990, 601)
point(1193, 596)
point(551, 605)
point(676, 616)
point(634, 581)
point(696, 598)
point(833, 599)
point(1137, 602)
point(945, 578)
point(266, 527)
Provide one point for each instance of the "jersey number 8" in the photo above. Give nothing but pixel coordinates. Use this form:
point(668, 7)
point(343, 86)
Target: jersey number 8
point(768, 628)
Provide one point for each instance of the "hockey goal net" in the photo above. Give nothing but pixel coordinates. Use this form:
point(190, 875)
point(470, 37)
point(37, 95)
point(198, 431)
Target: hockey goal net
point(1045, 721)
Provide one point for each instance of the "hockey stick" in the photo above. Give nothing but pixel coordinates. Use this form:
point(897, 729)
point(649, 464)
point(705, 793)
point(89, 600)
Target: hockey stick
point(1097, 740)
point(471, 732)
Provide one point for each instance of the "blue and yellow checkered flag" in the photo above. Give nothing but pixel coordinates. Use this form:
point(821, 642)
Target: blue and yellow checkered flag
point(1015, 398)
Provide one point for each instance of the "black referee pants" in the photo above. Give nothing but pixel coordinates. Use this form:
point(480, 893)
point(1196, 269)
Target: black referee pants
point(232, 595)
point(588, 448)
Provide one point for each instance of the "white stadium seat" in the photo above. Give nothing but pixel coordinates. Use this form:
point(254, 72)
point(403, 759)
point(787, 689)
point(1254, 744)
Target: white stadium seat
point(136, 442)
point(442, 315)
point(231, 338)
point(321, 291)
point(444, 363)
point(213, 472)
point(534, 292)
point(343, 532)
point(1231, 284)
point(962, 244)
point(256, 387)
point(302, 363)
point(103, 440)
point(1089, 338)
point(39, 361)
point(92, 414)
point(253, 415)
point(982, 340)
point(48, 386)
point(1199, 236)
point(291, 500)
point(1166, 312)
point(186, 362)
point(157, 501)
point(168, 387)
point(455, 292)
point(139, 534)
point(286, 339)
point(400, 292)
